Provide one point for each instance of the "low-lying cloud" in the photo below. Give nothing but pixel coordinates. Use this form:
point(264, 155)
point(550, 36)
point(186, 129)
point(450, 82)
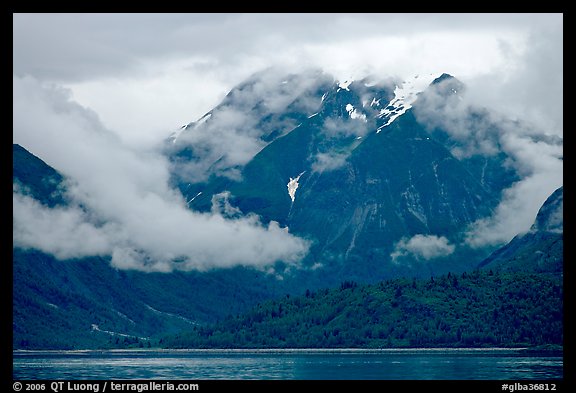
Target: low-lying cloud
point(122, 204)
point(329, 161)
point(63, 232)
point(423, 247)
point(335, 127)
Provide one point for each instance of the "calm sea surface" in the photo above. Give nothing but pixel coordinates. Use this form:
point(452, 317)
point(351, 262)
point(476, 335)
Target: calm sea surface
point(430, 364)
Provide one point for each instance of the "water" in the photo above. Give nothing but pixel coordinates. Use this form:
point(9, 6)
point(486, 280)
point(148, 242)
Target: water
point(494, 364)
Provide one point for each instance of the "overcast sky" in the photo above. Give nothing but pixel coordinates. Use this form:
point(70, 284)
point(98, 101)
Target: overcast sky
point(94, 93)
point(147, 74)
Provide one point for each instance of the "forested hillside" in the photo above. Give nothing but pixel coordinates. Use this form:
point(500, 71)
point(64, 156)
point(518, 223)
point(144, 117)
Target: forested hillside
point(477, 309)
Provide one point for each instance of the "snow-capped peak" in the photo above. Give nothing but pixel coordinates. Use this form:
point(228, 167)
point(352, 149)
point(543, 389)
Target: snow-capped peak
point(404, 97)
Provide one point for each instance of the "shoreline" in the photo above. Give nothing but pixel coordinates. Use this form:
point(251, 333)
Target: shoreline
point(502, 350)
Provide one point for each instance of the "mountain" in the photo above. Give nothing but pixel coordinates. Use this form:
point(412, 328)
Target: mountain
point(34, 177)
point(539, 250)
point(359, 177)
point(259, 110)
point(84, 303)
point(361, 169)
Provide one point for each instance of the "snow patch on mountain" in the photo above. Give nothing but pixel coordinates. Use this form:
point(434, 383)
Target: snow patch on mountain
point(344, 85)
point(404, 97)
point(194, 197)
point(292, 186)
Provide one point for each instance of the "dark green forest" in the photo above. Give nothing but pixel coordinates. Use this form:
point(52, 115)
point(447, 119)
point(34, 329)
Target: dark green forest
point(476, 309)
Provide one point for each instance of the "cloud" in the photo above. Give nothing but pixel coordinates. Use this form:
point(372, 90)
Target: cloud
point(530, 86)
point(541, 167)
point(423, 247)
point(64, 232)
point(145, 75)
point(148, 74)
point(82, 46)
point(329, 161)
point(134, 215)
point(335, 127)
point(235, 131)
point(534, 154)
point(229, 138)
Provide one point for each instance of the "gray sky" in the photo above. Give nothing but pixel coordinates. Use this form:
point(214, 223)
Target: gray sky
point(148, 74)
point(94, 93)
